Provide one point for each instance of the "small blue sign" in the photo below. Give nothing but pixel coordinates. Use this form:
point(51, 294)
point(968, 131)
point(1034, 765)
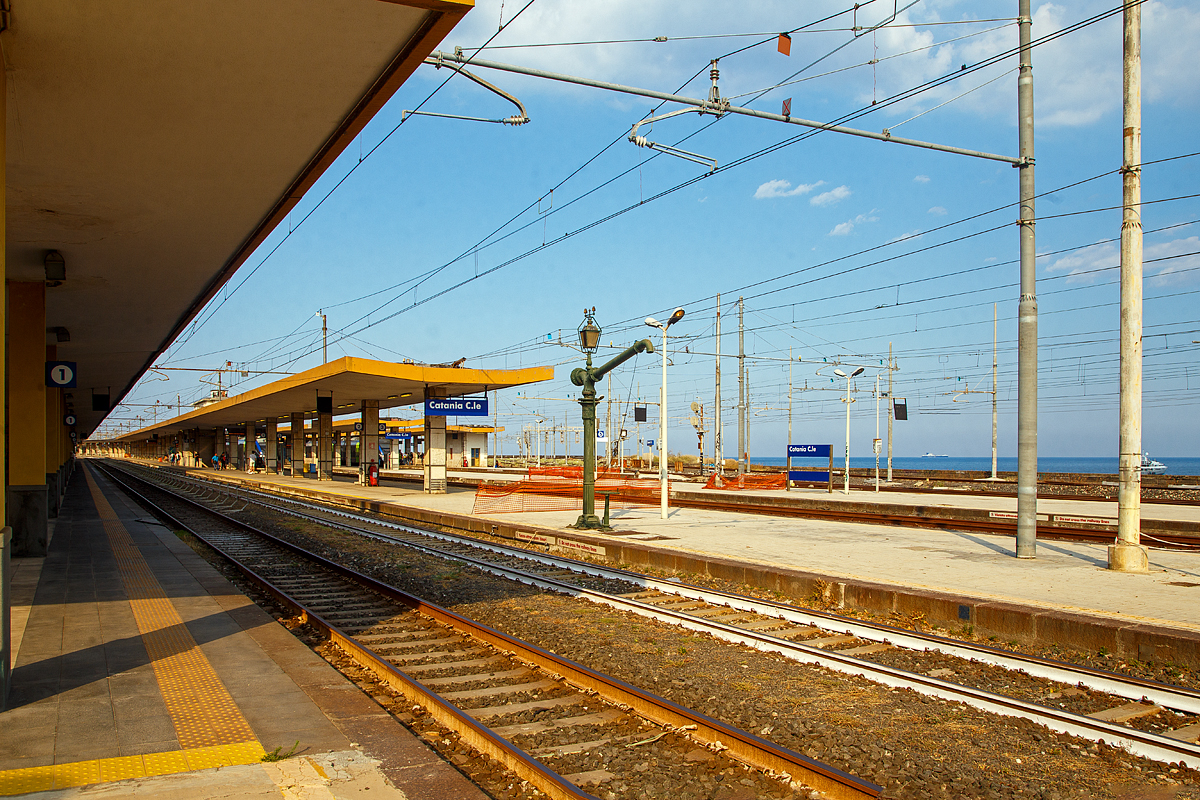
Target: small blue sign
point(60, 374)
point(456, 407)
point(405, 435)
point(649, 443)
point(805, 476)
point(810, 450)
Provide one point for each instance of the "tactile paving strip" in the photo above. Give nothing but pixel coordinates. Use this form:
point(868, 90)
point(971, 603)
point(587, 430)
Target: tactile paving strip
point(201, 708)
point(81, 773)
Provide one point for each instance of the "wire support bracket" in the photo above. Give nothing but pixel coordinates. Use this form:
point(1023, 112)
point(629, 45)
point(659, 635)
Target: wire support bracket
point(438, 61)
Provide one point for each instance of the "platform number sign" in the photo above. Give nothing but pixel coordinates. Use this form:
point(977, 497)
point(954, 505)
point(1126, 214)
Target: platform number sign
point(60, 374)
point(69, 420)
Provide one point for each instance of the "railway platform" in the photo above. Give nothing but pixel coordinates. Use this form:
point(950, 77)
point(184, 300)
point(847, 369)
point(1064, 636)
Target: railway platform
point(951, 577)
point(139, 671)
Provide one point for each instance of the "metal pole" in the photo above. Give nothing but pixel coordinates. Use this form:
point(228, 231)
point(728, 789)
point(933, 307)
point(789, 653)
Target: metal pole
point(994, 395)
point(741, 388)
point(846, 475)
point(662, 433)
point(709, 106)
point(891, 409)
point(787, 475)
point(718, 455)
point(1027, 406)
point(1127, 555)
point(747, 420)
point(875, 444)
point(608, 426)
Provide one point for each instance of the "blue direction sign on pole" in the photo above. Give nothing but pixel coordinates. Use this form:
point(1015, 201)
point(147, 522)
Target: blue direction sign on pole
point(809, 450)
point(404, 435)
point(806, 476)
point(456, 407)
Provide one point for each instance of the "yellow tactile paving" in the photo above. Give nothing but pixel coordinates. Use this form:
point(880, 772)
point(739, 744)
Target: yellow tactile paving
point(200, 707)
point(79, 773)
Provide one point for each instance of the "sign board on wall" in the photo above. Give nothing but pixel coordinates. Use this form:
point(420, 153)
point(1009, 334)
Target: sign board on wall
point(456, 407)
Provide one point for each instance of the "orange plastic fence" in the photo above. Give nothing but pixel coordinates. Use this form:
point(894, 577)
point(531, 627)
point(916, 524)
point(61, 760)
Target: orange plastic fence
point(778, 481)
point(561, 489)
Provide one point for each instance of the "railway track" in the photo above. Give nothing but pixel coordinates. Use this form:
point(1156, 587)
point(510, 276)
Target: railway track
point(1167, 714)
point(498, 694)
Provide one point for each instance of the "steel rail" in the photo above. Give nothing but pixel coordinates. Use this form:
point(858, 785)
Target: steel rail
point(740, 745)
point(1141, 743)
point(1174, 697)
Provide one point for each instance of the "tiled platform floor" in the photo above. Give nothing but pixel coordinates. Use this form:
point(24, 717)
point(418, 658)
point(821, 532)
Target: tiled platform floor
point(108, 681)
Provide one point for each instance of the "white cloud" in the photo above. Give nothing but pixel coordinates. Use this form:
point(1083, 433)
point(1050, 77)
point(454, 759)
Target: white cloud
point(781, 188)
point(920, 179)
point(1084, 265)
point(1088, 264)
point(1183, 269)
point(913, 234)
point(832, 197)
point(938, 211)
point(844, 228)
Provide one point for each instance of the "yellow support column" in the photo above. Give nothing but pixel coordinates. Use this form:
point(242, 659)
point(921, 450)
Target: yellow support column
point(5, 532)
point(27, 498)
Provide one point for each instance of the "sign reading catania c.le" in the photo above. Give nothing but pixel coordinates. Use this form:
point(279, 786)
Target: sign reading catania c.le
point(456, 407)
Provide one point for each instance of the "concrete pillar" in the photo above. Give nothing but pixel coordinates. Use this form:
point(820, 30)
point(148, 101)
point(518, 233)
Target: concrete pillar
point(435, 449)
point(271, 446)
point(27, 497)
point(324, 446)
point(297, 434)
point(248, 456)
point(368, 450)
point(338, 461)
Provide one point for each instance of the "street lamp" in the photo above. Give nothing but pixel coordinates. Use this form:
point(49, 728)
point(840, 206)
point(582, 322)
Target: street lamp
point(847, 401)
point(589, 342)
point(662, 407)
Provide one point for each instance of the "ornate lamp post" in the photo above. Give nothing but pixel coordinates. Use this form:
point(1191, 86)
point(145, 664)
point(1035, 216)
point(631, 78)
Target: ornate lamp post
point(587, 376)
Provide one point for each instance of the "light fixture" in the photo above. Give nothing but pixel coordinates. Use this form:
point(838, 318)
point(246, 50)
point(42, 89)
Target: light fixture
point(589, 332)
point(406, 394)
point(56, 268)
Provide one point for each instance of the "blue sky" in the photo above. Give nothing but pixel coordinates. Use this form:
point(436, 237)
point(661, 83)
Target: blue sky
point(839, 245)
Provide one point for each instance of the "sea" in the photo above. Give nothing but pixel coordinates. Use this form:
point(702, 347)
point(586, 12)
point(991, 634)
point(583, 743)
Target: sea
point(1103, 466)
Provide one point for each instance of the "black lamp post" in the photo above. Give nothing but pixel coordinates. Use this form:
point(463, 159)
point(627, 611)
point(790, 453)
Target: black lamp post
point(589, 342)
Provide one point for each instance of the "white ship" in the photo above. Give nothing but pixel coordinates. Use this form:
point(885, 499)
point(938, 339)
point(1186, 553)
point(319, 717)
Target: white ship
point(945, 455)
point(1152, 467)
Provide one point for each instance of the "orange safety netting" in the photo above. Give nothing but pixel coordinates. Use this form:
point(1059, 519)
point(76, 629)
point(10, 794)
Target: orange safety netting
point(561, 489)
point(777, 481)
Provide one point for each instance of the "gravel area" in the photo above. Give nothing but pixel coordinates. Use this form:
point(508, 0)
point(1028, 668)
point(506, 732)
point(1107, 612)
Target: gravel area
point(916, 747)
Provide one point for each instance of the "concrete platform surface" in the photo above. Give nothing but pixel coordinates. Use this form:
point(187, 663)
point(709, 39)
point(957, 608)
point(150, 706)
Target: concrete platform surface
point(141, 671)
point(1067, 576)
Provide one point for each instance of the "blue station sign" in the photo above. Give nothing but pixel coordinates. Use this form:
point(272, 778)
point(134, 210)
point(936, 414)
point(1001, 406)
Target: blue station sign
point(456, 407)
point(401, 436)
point(809, 450)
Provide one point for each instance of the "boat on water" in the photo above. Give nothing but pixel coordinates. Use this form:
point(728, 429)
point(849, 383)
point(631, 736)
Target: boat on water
point(1152, 467)
point(945, 455)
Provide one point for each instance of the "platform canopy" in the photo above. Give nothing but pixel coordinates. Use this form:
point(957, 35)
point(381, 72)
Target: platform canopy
point(155, 144)
point(349, 380)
